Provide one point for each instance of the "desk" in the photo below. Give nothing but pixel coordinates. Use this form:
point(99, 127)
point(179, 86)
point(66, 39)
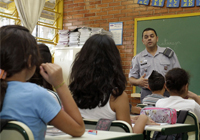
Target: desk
point(101, 135)
point(170, 129)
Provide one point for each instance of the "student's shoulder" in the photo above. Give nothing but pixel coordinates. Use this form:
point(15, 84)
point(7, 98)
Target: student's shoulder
point(33, 86)
point(164, 99)
point(120, 98)
point(123, 98)
point(190, 101)
point(192, 104)
point(161, 101)
point(36, 89)
point(124, 95)
point(25, 86)
point(119, 102)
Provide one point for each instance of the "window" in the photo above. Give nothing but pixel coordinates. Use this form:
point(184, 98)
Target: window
point(50, 21)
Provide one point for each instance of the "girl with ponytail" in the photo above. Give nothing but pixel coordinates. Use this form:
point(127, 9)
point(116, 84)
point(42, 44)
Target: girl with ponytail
point(177, 83)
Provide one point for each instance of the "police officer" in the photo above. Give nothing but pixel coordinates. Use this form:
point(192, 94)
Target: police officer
point(152, 58)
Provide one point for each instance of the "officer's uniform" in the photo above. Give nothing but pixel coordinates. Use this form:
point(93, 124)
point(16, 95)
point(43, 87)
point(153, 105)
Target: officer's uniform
point(144, 62)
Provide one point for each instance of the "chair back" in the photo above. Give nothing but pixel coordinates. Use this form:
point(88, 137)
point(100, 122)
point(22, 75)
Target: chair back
point(55, 95)
point(15, 130)
point(117, 125)
point(193, 119)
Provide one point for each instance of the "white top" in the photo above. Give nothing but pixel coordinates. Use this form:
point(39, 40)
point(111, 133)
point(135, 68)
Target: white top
point(99, 112)
point(179, 103)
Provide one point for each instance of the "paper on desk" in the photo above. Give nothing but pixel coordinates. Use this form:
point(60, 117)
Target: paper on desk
point(152, 125)
point(52, 131)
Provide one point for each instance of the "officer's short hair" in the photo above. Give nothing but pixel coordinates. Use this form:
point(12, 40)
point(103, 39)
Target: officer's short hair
point(147, 29)
point(156, 81)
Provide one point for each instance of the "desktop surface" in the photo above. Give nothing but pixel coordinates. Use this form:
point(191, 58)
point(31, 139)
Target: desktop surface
point(101, 135)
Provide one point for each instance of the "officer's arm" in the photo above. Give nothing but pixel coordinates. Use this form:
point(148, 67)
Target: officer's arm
point(176, 63)
point(139, 82)
point(134, 72)
point(133, 81)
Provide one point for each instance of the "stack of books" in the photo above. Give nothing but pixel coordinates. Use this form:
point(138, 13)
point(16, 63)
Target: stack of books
point(85, 33)
point(74, 39)
point(79, 36)
point(63, 37)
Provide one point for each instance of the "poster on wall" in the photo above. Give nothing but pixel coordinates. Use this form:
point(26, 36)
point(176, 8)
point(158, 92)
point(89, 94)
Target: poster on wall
point(173, 3)
point(187, 3)
point(170, 3)
point(116, 28)
point(158, 3)
point(198, 3)
point(143, 2)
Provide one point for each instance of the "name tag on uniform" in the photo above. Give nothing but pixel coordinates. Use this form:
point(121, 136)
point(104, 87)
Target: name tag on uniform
point(143, 62)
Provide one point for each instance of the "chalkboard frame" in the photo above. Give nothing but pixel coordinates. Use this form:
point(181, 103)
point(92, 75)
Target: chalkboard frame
point(154, 18)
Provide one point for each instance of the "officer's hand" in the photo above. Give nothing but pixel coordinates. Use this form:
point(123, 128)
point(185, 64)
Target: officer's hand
point(143, 82)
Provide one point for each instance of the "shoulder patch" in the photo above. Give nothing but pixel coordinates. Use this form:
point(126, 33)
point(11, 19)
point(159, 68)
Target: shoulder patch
point(168, 52)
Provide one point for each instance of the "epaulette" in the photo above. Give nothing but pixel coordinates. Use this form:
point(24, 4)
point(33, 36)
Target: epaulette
point(168, 52)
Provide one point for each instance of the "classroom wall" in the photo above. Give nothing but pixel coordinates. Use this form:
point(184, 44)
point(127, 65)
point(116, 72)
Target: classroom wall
point(98, 13)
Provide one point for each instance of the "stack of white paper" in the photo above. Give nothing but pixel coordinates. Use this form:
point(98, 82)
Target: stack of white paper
point(79, 36)
point(85, 33)
point(74, 39)
point(63, 37)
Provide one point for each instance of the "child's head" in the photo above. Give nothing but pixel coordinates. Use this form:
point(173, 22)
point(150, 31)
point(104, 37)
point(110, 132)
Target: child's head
point(156, 81)
point(176, 80)
point(97, 71)
point(45, 58)
point(45, 53)
point(18, 51)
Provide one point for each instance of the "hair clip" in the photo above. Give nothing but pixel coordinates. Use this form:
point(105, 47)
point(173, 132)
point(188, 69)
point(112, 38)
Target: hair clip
point(2, 74)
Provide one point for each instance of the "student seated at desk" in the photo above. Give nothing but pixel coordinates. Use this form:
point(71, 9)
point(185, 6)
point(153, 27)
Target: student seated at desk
point(177, 81)
point(97, 82)
point(37, 77)
point(157, 86)
point(27, 102)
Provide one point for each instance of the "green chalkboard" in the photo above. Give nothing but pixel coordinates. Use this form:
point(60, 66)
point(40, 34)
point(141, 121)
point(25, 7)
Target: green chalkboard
point(182, 34)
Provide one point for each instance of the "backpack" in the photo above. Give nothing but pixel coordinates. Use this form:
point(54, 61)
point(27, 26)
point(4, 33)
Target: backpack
point(181, 119)
point(160, 115)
